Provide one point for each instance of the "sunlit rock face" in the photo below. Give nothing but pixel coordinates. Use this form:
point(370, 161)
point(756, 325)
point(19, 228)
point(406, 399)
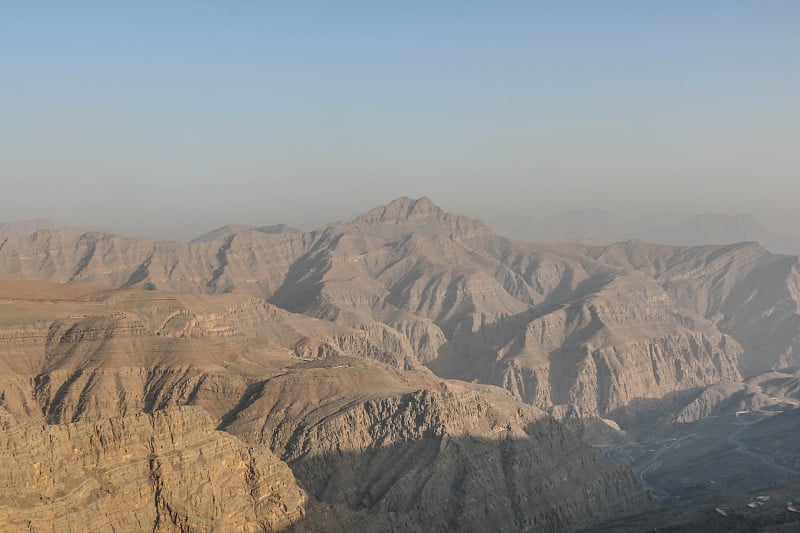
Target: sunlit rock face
point(168, 471)
point(307, 432)
point(397, 367)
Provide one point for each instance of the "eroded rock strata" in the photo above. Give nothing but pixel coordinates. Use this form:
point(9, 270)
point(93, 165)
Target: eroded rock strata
point(166, 471)
point(403, 366)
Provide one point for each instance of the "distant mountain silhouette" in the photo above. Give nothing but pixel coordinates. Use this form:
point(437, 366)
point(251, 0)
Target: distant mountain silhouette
point(594, 225)
point(234, 229)
point(600, 226)
point(710, 228)
point(23, 228)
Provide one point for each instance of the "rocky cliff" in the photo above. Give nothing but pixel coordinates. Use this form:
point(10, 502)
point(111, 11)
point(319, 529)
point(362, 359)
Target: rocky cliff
point(169, 471)
point(432, 455)
point(75, 351)
point(380, 446)
point(745, 291)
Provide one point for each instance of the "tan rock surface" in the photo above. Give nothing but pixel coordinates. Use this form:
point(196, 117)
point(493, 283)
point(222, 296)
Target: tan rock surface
point(381, 446)
point(169, 471)
point(556, 324)
point(432, 455)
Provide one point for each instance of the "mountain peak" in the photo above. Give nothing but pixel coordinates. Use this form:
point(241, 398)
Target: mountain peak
point(402, 209)
point(406, 215)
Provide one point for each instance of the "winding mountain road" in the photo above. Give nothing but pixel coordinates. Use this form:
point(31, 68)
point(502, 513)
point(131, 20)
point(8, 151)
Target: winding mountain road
point(740, 447)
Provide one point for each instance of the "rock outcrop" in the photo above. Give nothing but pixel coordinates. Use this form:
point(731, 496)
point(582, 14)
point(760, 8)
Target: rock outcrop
point(78, 351)
point(336, 354)
point(168, 471)
point(379, 445)
point(432, 455)
point(745, 291)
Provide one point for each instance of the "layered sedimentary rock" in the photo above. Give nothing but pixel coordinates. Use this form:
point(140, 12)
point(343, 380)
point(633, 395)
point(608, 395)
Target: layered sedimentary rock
point(327, 350)
point(400, 450)
point(365, 438)
point(595, 327)
point(75, 351)
point(169, 471)
point(742, 289)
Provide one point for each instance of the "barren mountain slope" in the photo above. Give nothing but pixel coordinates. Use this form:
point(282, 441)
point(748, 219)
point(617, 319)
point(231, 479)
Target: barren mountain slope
point(747, 292)
point(434, 455)
point(556, 325)
point(252, 262)
point(114, 352)
point(169, 471)
point(552, 325)
point(330, 374)
point(72, 352)
point(235, 229)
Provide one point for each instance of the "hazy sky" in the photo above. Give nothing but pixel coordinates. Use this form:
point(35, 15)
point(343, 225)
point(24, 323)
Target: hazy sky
point(171, 117)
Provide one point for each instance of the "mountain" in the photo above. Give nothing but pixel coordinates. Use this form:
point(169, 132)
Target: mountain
point(556, 324)
point(23, 228)
point(233, 229)
point(603, 227)
point(414, 337)
point(311, 418)
point(744, 290)
point(166, 471)
point(724, 229)
point(583, 225)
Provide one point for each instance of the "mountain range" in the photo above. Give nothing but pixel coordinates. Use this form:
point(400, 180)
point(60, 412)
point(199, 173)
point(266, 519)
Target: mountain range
point(603, 227)
point(409, 369)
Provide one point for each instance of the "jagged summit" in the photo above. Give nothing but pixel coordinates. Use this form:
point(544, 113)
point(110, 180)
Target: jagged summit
point(406, 215)
point(402, 209)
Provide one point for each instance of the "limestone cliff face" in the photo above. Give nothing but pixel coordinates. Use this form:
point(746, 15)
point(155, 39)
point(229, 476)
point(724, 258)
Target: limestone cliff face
point(619, 341)
point(381, 445)
point(745, 291)
point(112, 353)
point(770, 391)
point(435, 456)
point(332, 348)
point(255, 263)
point(599, 378)
point(553, 325)
point(169, 471)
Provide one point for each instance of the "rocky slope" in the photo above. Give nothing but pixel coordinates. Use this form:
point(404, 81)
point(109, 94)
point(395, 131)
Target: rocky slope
point(329, 348)
point(362, 437)
point(230, 230)
point(745, 291)
point(559, 325)
point(432, 455)
point(597, 226)
point(72, 351)
point(554, 326)
point(169, 471)
point(589, 326)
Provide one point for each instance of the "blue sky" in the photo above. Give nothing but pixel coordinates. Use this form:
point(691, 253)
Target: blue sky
point(175, 116)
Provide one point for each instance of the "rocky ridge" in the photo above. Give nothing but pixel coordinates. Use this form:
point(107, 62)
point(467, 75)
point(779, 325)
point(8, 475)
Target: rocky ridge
point(79, 354)
point(593, 327)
